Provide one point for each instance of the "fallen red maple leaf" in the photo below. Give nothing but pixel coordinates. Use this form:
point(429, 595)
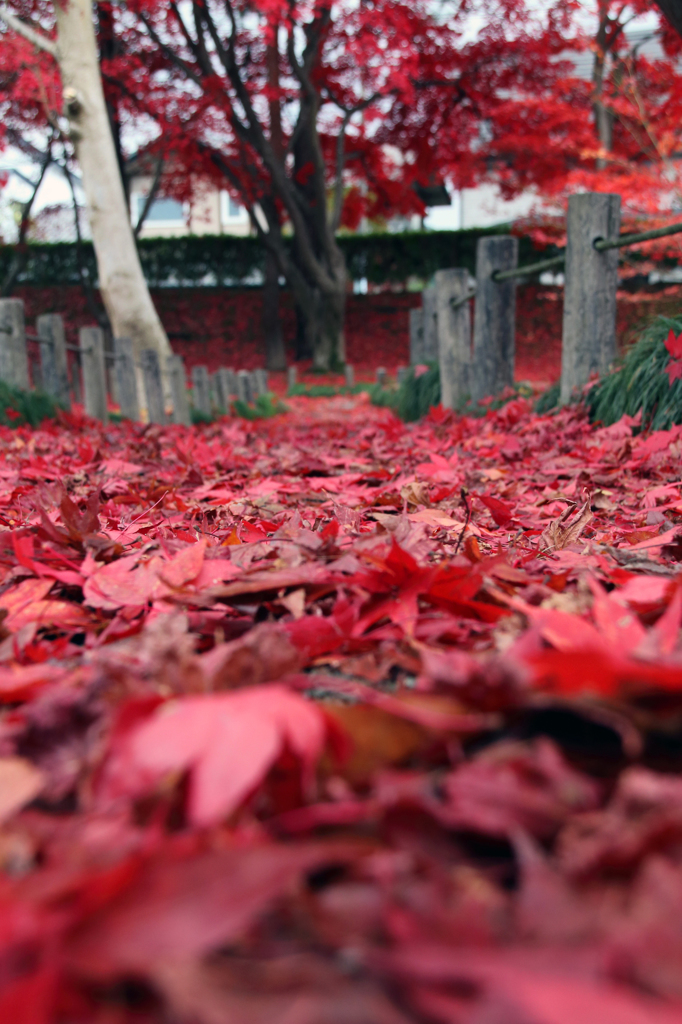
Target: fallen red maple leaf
point(227, 742)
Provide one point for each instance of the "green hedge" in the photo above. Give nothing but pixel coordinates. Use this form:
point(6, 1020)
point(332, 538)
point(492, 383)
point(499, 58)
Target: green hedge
point(225, 260)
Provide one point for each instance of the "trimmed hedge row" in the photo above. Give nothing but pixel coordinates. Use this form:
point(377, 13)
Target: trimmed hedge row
point(226, 260)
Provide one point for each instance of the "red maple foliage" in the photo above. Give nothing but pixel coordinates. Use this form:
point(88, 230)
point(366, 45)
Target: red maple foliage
point(329, 718)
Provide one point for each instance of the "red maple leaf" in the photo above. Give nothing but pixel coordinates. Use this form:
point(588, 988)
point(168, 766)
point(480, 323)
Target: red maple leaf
point(674, 345)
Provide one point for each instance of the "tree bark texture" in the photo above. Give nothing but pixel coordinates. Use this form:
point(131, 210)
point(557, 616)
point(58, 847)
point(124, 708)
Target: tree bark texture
point(124, 290)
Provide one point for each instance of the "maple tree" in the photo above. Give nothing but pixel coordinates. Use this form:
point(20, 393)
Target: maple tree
point(316, 114)
point(616, 130)
point(331, 717)
point(57, 80)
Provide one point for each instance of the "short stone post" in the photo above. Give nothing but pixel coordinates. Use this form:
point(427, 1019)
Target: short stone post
point(201, 394)
point(13, 354)
point(291, 377)
point(153, 386)
point(244, 388)
point(178, 386)
point(430, 326)
point(349, 375)
point(91, 342)
point(53, 357)
point(589, 331)
point(454, 336)
point(381, 376)
point(126, 379)
point(416, 336)
point(401, 374)
point(494, 317)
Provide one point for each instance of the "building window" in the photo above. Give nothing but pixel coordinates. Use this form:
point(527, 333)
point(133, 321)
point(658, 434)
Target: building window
point(230, 210)
point(162, 211)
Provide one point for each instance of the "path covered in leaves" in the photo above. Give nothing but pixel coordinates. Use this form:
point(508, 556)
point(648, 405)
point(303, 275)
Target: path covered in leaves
point(333, 720)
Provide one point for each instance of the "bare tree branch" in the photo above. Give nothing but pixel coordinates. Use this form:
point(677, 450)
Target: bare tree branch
point(40, 41)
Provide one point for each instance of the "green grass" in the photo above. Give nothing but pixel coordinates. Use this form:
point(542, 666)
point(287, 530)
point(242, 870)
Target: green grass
point(20, 408)
point(641, 383)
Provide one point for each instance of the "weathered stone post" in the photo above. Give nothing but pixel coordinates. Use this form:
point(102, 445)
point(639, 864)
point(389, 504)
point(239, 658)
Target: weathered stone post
point(381, 376)
point(153, 386)
point(291, 377)
point(178, 385)
point(401, 374)
point(589, 331)
point(91, 342)
point(201, 393)
point(454, 336)
point(349, 375)
point(126, 379)
point(53, 357)
point(416, 336)
point(494, 317)
point(13, 354)
point(430, 342)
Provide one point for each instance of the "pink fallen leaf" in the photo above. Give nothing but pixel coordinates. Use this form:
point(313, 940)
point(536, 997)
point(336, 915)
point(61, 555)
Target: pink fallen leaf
point(227, 742)
point(20, 782)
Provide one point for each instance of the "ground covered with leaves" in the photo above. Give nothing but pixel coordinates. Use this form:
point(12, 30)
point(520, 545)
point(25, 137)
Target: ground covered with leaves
point(330, 719)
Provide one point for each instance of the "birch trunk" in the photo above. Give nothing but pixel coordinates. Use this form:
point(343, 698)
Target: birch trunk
point(124, 290)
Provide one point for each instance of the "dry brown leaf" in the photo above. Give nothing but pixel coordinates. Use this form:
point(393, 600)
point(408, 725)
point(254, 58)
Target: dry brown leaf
point(566, 530)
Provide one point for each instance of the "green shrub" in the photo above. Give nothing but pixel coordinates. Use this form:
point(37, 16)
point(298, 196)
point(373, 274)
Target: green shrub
point(641, 383)
point(19, 408)
point(548, 400)
point(263, 408)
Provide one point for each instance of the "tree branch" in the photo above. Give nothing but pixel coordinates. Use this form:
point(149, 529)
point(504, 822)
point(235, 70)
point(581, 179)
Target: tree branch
point(151, 196)
point(32, 35)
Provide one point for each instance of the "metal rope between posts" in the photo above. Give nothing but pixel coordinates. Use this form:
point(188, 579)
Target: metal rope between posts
point(600, 244)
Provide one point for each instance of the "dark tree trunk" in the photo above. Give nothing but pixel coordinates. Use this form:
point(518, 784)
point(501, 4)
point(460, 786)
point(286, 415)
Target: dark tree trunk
point(672, 9)
point(275, 356)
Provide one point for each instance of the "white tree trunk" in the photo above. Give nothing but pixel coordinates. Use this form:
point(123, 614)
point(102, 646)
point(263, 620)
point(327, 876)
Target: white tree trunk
point(124, 290)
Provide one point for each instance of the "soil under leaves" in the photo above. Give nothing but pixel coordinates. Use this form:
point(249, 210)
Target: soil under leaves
point(333, 720)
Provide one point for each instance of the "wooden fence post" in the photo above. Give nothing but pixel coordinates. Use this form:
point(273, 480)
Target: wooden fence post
point(178, 385)
point(13, 354)
point(589, 330)
point(401, 374)
point(201, 395)
point(453, 322)
point(430, 328)
point(261, 378)
point(416, 336)
point(244, 388)
point(228, 384)
point(153, 386)
point(53, 358)
point(91, 341)
point(221, 389)
point(494, 317)
point(381, 376)
point(126, 379)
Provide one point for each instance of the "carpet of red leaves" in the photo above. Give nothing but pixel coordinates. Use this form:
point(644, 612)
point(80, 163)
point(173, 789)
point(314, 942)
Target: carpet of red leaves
point(328, 719)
